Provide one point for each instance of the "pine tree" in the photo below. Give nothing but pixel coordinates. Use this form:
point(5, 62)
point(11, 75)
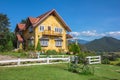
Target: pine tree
point(38, 48)
point(9, 45)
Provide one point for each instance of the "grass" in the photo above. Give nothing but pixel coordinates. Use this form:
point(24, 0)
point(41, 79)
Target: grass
point(15, 54)
point(57, 72)
point(115, 62)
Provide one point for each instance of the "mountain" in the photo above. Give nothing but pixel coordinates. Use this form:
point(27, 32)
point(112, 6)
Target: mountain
point(80, 41)
point(106, 44)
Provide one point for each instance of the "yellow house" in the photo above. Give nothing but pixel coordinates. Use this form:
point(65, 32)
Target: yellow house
point(49, 29)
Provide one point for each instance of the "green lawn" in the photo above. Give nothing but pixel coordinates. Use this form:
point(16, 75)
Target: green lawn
point(57, 72)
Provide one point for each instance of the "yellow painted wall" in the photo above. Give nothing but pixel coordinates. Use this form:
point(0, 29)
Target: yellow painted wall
point(53, 22)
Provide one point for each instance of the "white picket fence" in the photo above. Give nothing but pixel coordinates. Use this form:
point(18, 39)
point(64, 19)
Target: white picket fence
point(94, 59)
point(39, 60)
point(49, 60)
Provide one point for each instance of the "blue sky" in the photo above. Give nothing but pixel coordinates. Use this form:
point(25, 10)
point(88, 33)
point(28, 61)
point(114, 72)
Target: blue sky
point(88, 19)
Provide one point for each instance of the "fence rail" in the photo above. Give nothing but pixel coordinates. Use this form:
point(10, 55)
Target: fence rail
point(94, 59)
point(45, 60)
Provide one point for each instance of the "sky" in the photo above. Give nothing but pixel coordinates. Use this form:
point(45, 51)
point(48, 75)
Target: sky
point(88, 19)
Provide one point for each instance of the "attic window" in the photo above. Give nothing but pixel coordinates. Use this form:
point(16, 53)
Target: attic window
point(41, 28)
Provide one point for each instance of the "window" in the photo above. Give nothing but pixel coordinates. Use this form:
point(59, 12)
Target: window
point(58, 30)
point(41, 28)
point(30, 29)
point(49, 28)
point(58, 43)
point(44, 42)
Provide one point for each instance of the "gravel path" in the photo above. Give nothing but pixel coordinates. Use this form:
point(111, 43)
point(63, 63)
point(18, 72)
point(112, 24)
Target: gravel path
point(5, 57)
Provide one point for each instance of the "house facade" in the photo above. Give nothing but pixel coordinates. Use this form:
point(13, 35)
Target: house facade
point(49, 29)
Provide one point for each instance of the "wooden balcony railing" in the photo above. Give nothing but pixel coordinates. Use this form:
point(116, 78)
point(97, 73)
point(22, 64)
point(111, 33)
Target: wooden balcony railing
point(51, 33)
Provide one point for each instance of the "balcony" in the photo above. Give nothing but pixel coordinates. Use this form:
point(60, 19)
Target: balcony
point(51, 33)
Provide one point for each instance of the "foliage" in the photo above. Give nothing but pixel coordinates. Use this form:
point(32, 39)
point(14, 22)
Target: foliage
point(82, 56)
point(118, 64)
point(74, 48)
point(73, 68)
point(20, 54)
point(38, 48)
point(9, 45)
point(1, 48)
point(106, 61)
point(31, 47)
point(23, 21)
point(86, 70)
point(51, 52)
point(6, 37)
point(117, 61)
point(4, 23)
point(83, 67)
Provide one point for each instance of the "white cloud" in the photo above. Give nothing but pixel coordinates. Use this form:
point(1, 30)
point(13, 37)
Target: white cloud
point(88, 33)
point(75, 34)
point(114, 34)
point(94, 33)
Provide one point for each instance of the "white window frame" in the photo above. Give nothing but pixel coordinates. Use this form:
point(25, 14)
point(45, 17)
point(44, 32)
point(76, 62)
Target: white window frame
point(41, 28)
point(59, 30)
point(58, 43)
point(44, 43)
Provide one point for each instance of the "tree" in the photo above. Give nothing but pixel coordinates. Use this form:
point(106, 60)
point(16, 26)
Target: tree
point(4, 23)
point(9, 45)
point(6, 37)
point(74, 48)
point(23, 21)
point(38, 48)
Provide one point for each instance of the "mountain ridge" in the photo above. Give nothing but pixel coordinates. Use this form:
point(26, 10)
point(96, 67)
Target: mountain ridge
point(104, 44)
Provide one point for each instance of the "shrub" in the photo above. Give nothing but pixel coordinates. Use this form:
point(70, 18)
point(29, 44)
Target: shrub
point(9, 45)
point(38, 48)
point(51, 52)
point(86, 70)
point(106, 61)
point(73, 68)
point(1, 48)
point(74, 48)
point(31, 48)
point(118, 64)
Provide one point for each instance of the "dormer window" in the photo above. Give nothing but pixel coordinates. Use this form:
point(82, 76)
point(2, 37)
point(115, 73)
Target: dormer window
point(41, 28)
point(30, 29)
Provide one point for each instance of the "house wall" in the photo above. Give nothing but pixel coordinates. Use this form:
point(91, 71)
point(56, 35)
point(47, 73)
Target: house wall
point(53, 22)
point(27, 35)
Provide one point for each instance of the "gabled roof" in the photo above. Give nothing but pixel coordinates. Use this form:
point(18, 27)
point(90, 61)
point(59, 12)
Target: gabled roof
point(36, 21)
point(21, 26)
point(20, 39)
point(44, 16)
point(33, 20)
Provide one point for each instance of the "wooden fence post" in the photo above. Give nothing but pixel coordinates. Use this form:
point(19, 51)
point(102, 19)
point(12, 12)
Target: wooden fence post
point(18, 63)
point(48, 60)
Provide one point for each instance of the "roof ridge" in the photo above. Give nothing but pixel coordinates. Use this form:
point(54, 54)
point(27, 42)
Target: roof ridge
point(46, 13)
